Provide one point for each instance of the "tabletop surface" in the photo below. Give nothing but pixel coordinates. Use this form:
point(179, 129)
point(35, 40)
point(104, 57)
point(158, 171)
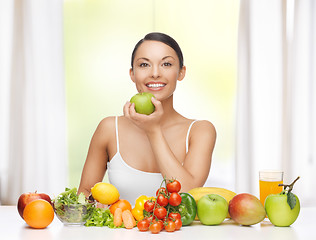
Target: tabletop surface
point(12, 227)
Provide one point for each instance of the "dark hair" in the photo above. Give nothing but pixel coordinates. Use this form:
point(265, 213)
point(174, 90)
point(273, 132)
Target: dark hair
point(160, 37)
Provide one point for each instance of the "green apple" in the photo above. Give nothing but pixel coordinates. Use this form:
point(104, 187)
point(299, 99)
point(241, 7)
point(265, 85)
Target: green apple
point(143, 103)
point(279, 210)
point(212, 209)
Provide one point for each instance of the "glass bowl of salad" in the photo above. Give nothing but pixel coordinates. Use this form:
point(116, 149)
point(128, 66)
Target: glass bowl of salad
point(72, 209)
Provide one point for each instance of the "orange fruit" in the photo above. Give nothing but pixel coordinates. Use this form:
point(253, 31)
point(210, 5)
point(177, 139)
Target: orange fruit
point(38, 213)
point(122, 204)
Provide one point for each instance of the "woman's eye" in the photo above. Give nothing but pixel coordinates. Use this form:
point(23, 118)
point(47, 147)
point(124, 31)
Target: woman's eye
point(167, 64)
point(144, 65)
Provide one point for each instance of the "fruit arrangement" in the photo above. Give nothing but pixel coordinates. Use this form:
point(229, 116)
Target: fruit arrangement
point(282, 209)
point(169, 210)
point(36, 209)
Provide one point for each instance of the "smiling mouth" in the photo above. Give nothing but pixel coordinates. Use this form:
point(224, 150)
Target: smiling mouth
point(155, 85)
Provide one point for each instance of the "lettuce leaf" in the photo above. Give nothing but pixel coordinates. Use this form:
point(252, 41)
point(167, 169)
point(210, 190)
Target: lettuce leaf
point(101, 217)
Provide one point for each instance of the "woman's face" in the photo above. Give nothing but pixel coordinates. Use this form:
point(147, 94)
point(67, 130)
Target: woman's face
point(156, 69)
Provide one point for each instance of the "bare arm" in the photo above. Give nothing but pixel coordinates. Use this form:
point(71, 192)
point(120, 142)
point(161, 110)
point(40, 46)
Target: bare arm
point(197, 163)
point(95, 165)
point(194, 172)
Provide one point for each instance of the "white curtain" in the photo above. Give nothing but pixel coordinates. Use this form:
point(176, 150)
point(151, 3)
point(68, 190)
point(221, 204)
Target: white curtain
point(32, 93)
point(276, 99)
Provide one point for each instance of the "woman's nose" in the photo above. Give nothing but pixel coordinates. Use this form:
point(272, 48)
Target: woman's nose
point(155, 72)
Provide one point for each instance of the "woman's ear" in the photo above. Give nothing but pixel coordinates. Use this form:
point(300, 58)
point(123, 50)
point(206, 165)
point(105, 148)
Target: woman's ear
point(131, 74)
point(182, 73)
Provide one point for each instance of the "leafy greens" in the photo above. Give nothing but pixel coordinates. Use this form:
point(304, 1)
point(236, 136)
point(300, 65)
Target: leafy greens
point(100, 217)
point(72, 208)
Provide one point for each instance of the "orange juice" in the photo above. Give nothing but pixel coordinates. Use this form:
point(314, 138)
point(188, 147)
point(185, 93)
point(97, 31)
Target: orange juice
point(269, 187)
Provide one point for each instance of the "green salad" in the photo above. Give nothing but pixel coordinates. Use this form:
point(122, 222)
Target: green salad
point(72, 208)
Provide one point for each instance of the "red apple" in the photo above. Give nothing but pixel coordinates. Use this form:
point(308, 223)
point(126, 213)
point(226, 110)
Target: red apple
point(246, 209)
point(26, 198)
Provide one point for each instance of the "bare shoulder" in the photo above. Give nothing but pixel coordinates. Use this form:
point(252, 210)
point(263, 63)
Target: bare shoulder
point(105, 130)
point(202, 140)
point(203, 126)
point(107, 123)
point(203, 131)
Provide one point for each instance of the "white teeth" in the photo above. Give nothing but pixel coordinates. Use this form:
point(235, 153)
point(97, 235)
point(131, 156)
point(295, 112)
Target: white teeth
point(155, 85)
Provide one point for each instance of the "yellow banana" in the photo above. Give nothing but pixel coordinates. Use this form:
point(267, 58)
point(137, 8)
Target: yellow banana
point(199, 192)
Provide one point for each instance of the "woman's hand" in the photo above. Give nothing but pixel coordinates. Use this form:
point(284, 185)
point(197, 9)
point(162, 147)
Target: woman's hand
point(149, 123)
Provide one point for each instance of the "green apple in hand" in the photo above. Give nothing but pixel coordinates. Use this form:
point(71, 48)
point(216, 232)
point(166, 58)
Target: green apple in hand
point(212, 209)
point(283, 208)
point(143, 103)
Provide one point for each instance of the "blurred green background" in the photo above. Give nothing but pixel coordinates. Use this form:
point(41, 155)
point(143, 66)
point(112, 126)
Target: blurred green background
point(99, 38)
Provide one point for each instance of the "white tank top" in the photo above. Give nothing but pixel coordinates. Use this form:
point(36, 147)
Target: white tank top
point(130, 182)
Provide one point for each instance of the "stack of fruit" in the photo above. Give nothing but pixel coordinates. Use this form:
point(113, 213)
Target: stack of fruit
point(213, 204)
point(169, 210)
point(36, 209)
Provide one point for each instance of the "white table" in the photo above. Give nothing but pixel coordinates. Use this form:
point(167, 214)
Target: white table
point(12, 227)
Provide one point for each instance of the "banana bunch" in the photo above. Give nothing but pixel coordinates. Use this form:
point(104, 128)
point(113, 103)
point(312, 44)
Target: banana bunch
point(199, 192)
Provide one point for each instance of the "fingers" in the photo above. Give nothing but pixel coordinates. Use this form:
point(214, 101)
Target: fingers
point(129, 110)
point(158, 106)
point(126, 109)
point(156, 102)
point(132, 112)
point(145, 122)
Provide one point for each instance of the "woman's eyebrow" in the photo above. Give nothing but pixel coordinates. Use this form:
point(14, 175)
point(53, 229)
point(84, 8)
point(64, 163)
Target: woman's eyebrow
point(142, 58)
point(167, 57)
point(146, 59)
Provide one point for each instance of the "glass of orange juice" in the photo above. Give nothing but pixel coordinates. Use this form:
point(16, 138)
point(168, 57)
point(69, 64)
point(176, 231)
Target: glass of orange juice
point(269, 181)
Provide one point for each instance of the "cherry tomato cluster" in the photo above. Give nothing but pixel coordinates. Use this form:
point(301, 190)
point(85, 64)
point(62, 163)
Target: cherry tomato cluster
point(162, 213)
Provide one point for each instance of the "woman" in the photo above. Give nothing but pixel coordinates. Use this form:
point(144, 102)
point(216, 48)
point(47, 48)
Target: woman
point(139, 150)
